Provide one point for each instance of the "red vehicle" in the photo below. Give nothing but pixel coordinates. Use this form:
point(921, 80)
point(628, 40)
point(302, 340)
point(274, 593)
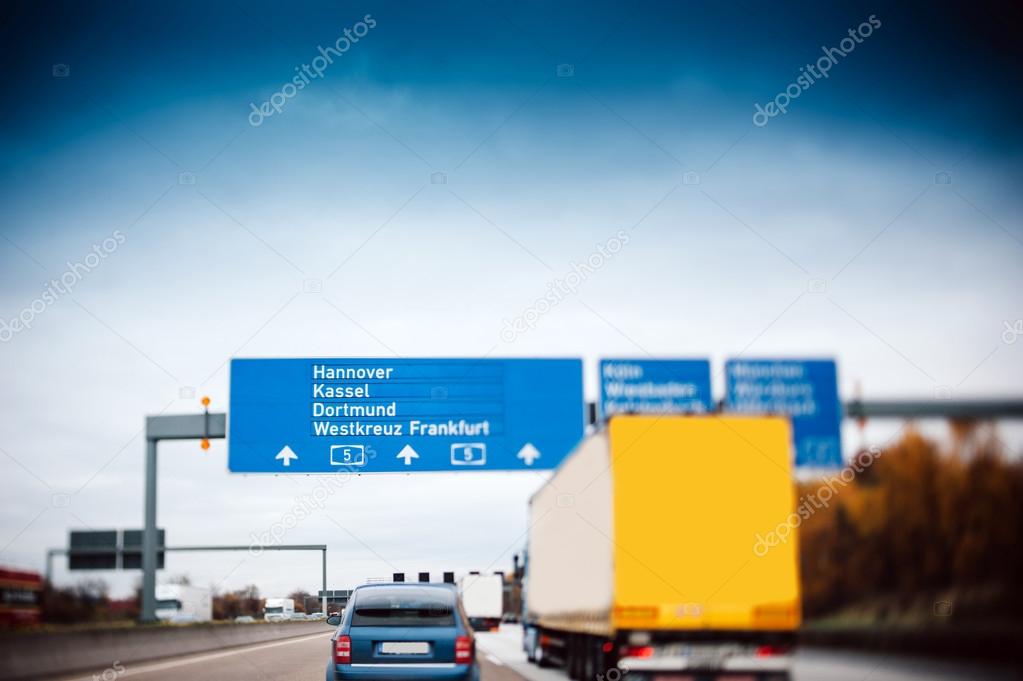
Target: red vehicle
point(20, 593)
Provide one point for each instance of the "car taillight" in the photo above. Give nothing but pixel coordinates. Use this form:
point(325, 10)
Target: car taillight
point(770, 651)
point(463, 650)
point(638, 651)
point(343, 650)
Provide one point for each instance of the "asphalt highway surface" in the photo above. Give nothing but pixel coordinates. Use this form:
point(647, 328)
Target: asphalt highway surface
point(501, 658)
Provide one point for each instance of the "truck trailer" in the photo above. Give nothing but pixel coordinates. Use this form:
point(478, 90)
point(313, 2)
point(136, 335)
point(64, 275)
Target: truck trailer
point(183, 603)
point(643, 552)
point(278, 609)
point(483, 600)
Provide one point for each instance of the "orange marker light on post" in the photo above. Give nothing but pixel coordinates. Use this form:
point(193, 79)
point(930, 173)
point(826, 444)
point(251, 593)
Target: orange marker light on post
point(205, 444)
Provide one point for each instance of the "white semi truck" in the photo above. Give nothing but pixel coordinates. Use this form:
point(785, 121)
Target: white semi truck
point(643, 553)
point(278, 609)
point(483, 599)
point(183, 603)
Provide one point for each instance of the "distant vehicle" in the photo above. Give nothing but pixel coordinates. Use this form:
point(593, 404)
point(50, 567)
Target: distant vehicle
point(181, 618)
point(299, 617)
point(20, 593)
point(183, 603)
point(317, 616)
point(483, 600)
point(403, 632)
point(655, 569)
point(244, 619)
point(278, 609)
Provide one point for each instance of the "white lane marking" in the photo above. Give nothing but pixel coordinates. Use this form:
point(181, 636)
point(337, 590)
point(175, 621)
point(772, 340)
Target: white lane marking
point(160, 666)
point(494, 659)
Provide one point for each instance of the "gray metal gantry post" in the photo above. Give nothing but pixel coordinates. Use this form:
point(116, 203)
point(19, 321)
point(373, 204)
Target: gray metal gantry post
point(177, 427)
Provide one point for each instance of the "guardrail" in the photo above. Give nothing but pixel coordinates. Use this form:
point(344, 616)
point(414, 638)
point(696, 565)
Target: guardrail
point(37, 654)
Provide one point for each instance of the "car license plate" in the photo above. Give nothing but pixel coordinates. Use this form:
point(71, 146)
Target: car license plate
point(405, 648)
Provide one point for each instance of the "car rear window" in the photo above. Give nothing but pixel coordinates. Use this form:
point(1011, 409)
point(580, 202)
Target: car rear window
point(409, 606)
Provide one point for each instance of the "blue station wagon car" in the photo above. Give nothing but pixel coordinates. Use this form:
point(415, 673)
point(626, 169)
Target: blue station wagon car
point(402, 632)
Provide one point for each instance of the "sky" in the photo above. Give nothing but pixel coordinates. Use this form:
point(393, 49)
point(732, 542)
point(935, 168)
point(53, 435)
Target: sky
point(424, 189)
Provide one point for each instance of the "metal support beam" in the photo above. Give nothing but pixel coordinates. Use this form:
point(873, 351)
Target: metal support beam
point(174, 427)
point(186, 427)
point(936, 408)
point(277, 547)
point(49, 564)
point(215, 547)
point(148, 613)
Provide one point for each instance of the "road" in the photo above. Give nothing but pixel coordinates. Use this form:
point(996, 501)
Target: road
point(295, 659)
point(501, 659)
point(811, 664)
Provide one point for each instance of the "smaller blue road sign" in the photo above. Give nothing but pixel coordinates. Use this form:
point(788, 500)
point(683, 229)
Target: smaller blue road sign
point(655, 386)
point(805, 390)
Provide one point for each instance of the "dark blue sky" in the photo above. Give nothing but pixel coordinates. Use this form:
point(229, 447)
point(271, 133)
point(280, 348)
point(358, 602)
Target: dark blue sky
point(946, 70)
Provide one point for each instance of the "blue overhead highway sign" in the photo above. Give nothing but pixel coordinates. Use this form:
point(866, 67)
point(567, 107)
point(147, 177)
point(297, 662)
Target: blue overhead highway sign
point(655, 386)
point(805, 390)
point(402, 415)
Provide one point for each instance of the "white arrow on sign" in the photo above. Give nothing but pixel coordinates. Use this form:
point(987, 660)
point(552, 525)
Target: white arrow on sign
point(408, 454)
point(528, 454)
point(286, 455)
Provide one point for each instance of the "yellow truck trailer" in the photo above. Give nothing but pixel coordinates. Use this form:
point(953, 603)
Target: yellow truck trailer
point(643, 552)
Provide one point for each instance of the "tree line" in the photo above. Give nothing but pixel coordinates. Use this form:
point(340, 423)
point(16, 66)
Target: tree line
point(924, 528)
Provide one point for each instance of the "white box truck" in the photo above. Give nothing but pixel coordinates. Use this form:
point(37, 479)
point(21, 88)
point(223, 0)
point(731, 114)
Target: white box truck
point(183, 603)
point(483, 600)
point(278, 609)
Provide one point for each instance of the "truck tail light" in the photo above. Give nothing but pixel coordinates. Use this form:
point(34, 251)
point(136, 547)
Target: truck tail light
point(638, 651)
point(771, 651)
point(343, 650)
point(463, 650)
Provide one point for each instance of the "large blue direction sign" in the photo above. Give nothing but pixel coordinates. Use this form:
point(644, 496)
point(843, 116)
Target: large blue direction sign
point(655, 386)
point(402, 415)
point(805, 390)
